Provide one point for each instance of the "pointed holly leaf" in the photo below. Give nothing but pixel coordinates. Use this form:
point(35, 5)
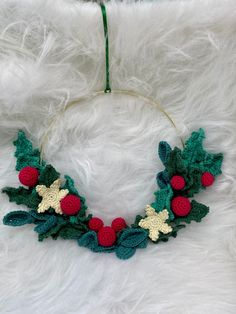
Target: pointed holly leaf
point(17, 218)
point(164, 150)
point(213, 163)
point(163, 200)
point(193, 150)
point(125, 252)
point(48, 176)
point(23, 196)
point(25, 154)
point(176, 163)
point(198, 211)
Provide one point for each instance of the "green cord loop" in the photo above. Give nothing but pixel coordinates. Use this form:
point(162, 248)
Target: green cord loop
point(104, 16)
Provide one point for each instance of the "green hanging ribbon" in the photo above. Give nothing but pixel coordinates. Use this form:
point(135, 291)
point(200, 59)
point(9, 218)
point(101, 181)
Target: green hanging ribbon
point(104, 16)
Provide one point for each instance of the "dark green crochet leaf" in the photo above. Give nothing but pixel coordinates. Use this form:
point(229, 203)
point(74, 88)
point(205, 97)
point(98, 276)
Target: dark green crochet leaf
point(23, 196)
point(123, 252)
point(165, 237)
point(131, 237)
point(176, 164)
point(193, 151)
point(212, 163)
point(17, 218)
point(89, 240)
point(163, 199)
point(48, 176)
point(164, 150)
point(163, 179)
point(25, 154)
point(198, 211)
point(53, 232)
point(136, 222)
point(47, 225)
point(70, 232)
point(193, 182)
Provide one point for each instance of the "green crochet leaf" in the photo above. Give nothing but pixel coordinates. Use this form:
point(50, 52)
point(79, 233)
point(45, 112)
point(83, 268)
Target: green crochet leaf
point(163, 199)
point(165, 237)
point(25, 154)
point(123, 252)
point(164, 150)
point(131, 237)
point(17, 218)
point(71, 232)
point(89, 240)
point(193, 182)
point(48, 176)
point(193, 150)
point(213, 163)
point(54, 231)
point(136, 222)
point(163, 179)
point(198, 211)
point(23, 196)
point(176, 164)
point(47, 225)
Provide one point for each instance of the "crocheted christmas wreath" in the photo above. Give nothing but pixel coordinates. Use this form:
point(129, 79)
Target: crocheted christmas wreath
point(58, 210)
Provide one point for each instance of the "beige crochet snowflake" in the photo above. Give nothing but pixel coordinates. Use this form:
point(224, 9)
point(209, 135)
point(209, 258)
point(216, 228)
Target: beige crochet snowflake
point(51, 196)
point(155, 222)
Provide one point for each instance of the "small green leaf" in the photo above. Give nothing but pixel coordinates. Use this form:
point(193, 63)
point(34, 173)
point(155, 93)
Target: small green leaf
point(23, 196)
point(213, 163)
point(125, 252)
point(89, 240)
point(132, 237)
point(193, 150)
point(48, 176)
point(198, 211)
point(47, 225)
point(70, 232)
point(176, 164)
point(163, 179)
point(17, 218)
point(164, 150)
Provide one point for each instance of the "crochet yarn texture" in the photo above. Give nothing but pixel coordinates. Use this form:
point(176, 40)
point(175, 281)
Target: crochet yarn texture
point(57, 209)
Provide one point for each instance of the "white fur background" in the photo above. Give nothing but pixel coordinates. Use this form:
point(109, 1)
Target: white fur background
point(182, 53)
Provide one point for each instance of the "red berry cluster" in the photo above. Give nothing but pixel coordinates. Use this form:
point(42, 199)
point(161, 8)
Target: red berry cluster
point(181, 205)
point(70, 204)
point(106, 234)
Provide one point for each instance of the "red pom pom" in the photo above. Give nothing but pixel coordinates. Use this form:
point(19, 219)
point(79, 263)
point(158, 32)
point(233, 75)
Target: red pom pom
point(29, 176)
point(177, 182)
point(106, 236)
point(207, 179)
point(181, 206)
point(118, 224)
point(95, 224)
point(70, 204)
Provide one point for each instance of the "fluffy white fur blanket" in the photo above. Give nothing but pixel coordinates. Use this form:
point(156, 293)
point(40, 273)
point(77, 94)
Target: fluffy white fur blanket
point(182, 53)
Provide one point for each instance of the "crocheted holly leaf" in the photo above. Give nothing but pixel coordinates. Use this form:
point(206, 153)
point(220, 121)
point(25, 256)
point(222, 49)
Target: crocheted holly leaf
point(23, 196)
point(195, 156)
point(133, 237)
point(165, 237)
point(46, 225)
point(123, 252)
point(175, 164)
point(198, 211)
point(163, 199)
point(25, 154)
point(163, 179)
point(48, 176)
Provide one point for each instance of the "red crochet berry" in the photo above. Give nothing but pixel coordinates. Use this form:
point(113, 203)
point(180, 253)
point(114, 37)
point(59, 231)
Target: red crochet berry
point(181, 206)
point(177, 182)
point(95, 224)
point(106, 236)
point(29, 176)
point(118, 224)
point(70, 204)
point(207, 179)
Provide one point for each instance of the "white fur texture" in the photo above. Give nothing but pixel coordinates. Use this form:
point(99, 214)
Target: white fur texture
point(182, 53)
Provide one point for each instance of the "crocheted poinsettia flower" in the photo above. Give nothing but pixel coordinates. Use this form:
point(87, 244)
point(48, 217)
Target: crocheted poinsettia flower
point(51, 196)
point(155, 222)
